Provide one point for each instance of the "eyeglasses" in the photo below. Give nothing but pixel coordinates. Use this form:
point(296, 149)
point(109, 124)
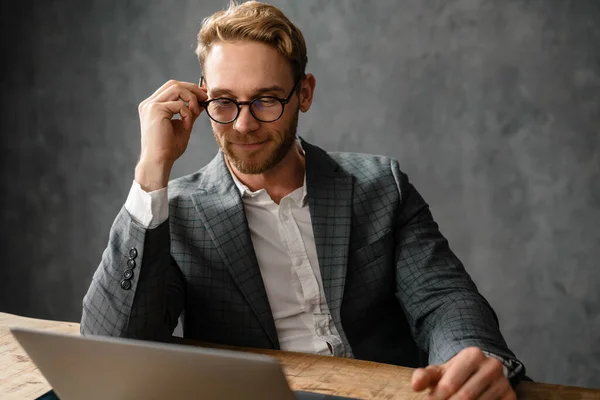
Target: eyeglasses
point(224, 110)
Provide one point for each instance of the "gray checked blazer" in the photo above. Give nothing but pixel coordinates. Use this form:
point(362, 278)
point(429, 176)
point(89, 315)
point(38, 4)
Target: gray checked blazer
point(392, 284)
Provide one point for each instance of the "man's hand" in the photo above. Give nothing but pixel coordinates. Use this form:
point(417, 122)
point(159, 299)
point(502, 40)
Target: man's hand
point(164, 139)
point(468, 375)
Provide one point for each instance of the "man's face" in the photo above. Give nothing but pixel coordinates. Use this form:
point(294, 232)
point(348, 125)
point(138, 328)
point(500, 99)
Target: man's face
point(243, 71)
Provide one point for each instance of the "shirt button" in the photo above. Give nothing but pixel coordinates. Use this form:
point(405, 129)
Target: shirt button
point(298, 261)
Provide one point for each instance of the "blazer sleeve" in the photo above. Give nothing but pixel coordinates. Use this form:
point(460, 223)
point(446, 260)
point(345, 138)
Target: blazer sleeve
point(137, 290)
point(445, 310)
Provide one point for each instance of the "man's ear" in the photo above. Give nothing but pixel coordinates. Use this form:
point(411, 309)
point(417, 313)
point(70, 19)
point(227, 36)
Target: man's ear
point(307, 90)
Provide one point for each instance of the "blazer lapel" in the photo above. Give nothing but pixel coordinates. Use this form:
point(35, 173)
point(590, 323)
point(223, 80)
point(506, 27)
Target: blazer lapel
point(330, 202)
point(221, 210)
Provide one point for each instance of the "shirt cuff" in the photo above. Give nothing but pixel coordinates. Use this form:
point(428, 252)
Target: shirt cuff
point(510, 368)
point(149, 209)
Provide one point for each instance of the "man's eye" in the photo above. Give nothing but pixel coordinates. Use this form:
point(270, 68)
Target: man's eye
point(267, 102)
point(222, 103)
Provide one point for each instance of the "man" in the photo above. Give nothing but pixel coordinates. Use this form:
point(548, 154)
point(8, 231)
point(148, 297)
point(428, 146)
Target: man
point(278, 244)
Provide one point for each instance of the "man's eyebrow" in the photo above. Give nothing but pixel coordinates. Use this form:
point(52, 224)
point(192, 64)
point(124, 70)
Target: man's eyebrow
point(220, 92)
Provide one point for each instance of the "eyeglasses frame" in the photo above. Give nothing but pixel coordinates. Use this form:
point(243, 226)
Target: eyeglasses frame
point(249, 103)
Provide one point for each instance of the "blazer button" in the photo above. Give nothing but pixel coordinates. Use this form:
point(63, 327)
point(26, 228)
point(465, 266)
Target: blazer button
point(131, 263)
point(133, 252)
point(126, 284)
point(128, 274)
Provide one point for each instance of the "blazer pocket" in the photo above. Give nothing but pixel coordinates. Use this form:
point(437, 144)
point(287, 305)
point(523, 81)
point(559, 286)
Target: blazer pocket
point(375, 249)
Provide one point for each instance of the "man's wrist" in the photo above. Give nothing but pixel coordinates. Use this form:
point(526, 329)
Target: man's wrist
point(152, 176)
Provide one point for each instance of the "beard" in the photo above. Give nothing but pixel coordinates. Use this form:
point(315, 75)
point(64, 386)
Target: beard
point(268, 156)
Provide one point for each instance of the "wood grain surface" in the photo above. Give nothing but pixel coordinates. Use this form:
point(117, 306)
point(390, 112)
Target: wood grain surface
point(20, 379)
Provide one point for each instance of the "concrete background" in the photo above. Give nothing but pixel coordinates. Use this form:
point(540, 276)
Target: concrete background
point(492, 108)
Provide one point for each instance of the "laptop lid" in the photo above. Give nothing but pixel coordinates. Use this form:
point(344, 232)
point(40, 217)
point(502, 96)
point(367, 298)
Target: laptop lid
point(100, 368)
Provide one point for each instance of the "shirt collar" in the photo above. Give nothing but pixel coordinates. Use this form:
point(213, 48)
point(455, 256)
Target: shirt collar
point(299, 197)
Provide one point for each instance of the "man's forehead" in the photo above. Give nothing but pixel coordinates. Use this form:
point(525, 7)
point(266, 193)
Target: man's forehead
point(248, 64)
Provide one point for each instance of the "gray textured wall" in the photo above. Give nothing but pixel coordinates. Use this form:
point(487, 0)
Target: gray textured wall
point(492, 108)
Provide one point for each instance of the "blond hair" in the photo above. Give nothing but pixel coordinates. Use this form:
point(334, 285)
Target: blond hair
point(257, 22)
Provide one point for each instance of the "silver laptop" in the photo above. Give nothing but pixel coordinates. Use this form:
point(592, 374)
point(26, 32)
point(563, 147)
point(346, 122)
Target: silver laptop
point(98, 367)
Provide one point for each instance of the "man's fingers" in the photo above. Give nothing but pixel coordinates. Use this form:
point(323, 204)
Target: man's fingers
point(489, 373)
point(197, 90)
point(187, 118)
point(167, 109)
point(459, 370)
point(500, 389)
point(172, 89)
point(177, 92)
point(424, 378)
point(468, 375)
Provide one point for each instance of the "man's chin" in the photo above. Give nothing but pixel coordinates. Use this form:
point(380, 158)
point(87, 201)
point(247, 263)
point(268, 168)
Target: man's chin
point(250, 167)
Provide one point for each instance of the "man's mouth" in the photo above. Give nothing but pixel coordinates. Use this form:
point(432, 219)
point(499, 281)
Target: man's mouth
point(250, 145)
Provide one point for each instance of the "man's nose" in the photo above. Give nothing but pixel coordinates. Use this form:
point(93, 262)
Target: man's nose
point(246, 122)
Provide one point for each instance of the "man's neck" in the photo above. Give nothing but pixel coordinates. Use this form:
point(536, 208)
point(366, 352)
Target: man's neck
point(280, 180)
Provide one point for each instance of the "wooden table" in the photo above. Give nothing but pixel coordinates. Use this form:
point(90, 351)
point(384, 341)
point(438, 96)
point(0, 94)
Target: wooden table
point(20, 379)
